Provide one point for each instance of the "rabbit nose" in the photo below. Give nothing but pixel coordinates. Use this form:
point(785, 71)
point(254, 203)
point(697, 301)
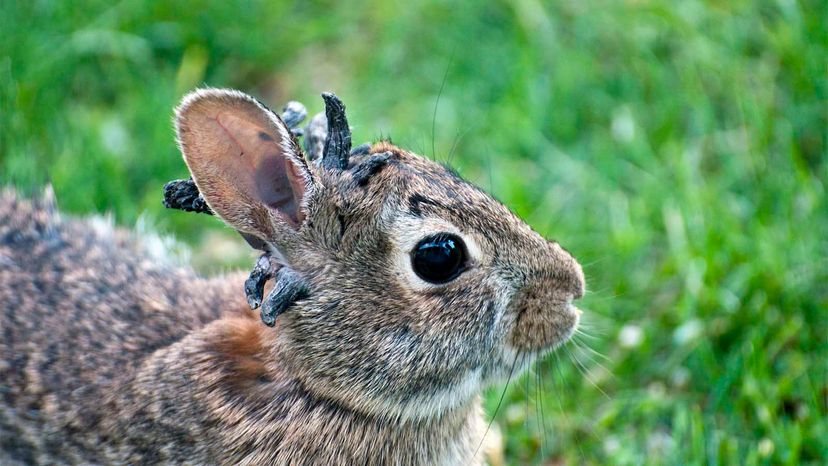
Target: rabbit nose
point(543, 305)
point(545, 316)
point(566, 274)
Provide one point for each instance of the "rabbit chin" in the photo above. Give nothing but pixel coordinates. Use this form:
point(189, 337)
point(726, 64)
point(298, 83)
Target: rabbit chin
point(436, 403)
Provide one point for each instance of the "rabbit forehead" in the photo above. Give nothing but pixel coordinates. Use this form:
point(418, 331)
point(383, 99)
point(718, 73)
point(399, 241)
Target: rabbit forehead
point(419, 187)
point(425, 196)
point(411, 197)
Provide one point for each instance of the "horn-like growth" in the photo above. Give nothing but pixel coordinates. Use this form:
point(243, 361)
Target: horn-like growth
point(338, 143)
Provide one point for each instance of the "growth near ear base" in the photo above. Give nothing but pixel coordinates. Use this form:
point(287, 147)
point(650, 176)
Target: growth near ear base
point(244, 161)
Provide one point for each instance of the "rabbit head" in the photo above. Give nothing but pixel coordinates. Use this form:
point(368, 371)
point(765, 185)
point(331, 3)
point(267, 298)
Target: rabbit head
point(422, 289)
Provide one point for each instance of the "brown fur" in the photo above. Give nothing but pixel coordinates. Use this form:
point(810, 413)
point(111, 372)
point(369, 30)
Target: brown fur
point(241, 340)
point(110, 357)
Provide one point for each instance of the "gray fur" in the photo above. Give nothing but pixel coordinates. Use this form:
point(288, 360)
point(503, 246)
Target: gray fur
point(108, 357)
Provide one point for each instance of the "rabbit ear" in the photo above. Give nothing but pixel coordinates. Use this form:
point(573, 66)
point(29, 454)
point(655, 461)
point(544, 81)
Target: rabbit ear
point(244, 161)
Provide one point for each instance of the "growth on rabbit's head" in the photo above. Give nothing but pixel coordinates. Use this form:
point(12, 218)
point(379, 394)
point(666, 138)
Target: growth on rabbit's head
point(417, 288)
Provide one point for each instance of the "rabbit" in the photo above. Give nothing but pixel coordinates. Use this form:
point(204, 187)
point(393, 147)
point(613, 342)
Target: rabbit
point(418, 290)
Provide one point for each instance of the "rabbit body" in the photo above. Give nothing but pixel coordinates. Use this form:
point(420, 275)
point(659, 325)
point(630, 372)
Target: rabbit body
point(110, 356)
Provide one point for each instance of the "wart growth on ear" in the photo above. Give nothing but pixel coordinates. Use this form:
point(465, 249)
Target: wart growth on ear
point(289, 288)
point(184, 195)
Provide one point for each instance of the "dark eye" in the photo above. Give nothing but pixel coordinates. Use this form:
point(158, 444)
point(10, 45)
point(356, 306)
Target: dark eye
point(439, 258)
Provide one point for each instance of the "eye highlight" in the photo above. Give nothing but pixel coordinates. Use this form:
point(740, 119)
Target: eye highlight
point(439, 258)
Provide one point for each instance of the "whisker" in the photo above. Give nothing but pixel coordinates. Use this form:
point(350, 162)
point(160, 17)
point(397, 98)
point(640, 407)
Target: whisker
point(596, 261)
point(560, 404)
point(584, 345)
point(584, 371)
point(542, 414)
point(586, 350)
point(539, 415)
point(586, 336)
point(526, 400)
point(437, 104)
point(499, 402)
point(457, 138)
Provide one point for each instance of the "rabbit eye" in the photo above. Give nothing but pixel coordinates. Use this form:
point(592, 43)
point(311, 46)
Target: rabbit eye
point(439, 258)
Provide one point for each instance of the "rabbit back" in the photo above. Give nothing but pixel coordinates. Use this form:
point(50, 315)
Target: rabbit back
point(82, 306)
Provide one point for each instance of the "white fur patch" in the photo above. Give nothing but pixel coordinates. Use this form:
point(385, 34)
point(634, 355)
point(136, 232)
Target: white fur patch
point(160, 249)
point(431, 405)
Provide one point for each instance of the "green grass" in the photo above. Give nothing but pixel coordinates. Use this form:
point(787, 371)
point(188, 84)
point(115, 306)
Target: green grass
point(678, 149)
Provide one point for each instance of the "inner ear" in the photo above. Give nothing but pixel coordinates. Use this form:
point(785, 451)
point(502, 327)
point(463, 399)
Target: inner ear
point(244, 161)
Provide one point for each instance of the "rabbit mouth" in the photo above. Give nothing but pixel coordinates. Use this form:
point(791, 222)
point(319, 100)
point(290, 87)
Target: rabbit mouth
point(536, 332)
point(540, 328)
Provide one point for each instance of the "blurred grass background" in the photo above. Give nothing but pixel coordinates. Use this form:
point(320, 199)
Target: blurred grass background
point(678, 149)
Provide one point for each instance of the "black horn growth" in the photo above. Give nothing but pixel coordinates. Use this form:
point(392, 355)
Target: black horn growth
point(338, 142)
